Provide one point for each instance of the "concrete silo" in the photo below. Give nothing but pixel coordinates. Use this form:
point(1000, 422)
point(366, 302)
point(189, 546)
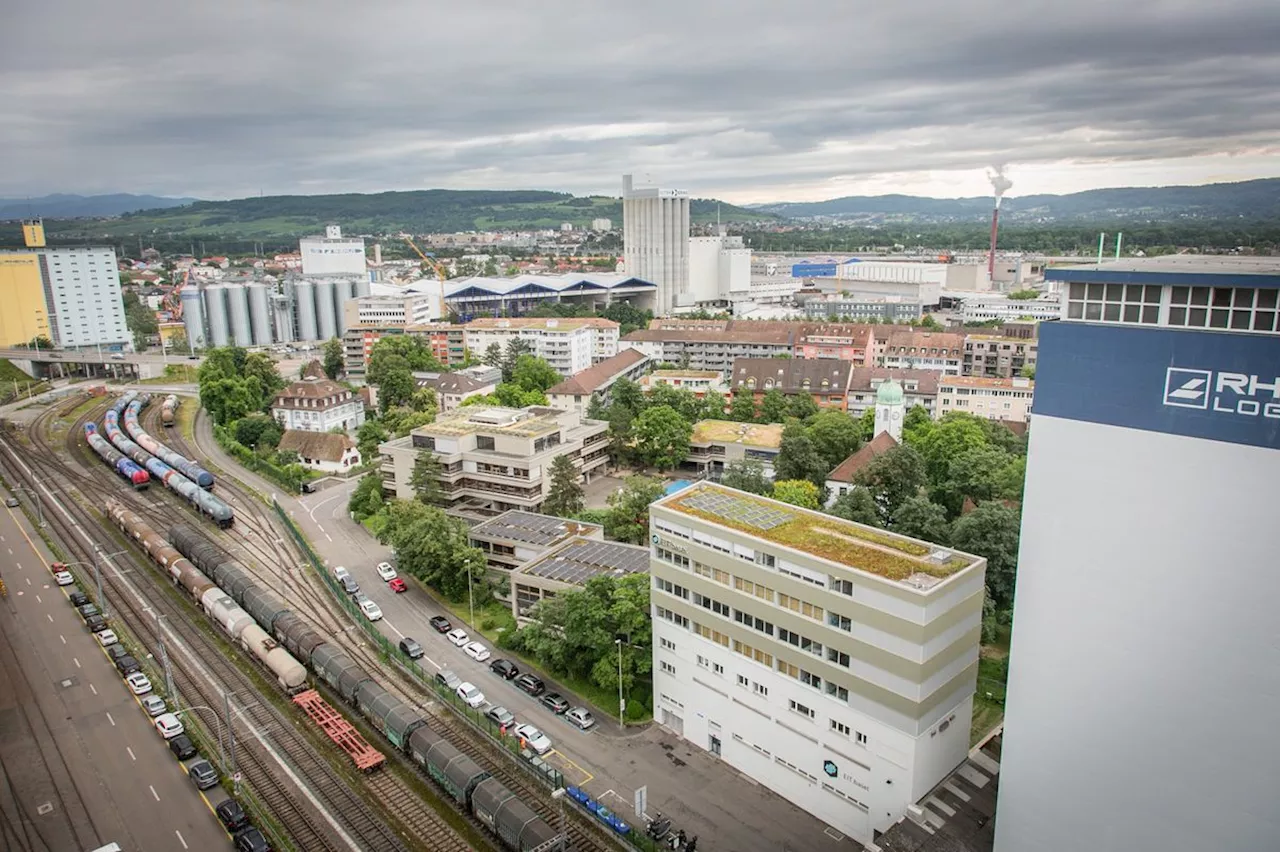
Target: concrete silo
point(304, 304)
point(282, 318)
point(193, 318)
point(260, 313)
point(238, 308)
point(362, 287)
point(215, 308)
point(326, 325)
point(343, 290)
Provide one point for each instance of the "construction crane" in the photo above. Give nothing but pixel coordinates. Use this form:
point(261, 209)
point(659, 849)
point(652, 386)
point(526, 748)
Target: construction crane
point(435, 265)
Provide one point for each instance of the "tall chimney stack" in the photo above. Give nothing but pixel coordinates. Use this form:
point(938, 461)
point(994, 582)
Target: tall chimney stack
point(991, 255)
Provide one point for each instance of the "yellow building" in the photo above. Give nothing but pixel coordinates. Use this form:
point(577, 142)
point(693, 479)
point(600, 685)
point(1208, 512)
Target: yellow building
point(23, 312)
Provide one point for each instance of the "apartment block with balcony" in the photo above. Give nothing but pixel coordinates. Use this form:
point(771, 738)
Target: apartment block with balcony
point(993, 357)
point(495, 459)
point(993, 399)
point(923, 350)
point(825, 380)
point(831, 662)
point(709, 348)
point(569, 345)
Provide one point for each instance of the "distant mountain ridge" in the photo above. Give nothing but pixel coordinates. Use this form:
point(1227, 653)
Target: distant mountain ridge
point(61, 206)
point(1253, 199)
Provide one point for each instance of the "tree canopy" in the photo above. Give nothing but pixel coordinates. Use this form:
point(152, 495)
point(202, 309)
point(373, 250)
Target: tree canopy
point(628, 515)
point(662, 437)
point(564, 497)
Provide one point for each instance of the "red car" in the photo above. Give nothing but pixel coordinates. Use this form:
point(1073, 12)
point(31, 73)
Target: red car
point(398, 585)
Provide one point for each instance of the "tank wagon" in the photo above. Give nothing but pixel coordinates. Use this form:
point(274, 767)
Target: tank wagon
point(168, 410)
point(467, 783)
point(178, 462)
point(122, 465)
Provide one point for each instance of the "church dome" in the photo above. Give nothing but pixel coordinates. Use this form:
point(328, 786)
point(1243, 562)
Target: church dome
point(890, 393)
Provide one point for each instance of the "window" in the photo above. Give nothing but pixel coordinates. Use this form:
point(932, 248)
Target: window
point(667, 667)
point(760, 591)
point(717, 668)
point(759, 689)
point(845, 587)
point(835, 619)
point(703, 662)
point(668, 644)
point(801, 642)
point(755, 654)
point(674, 558)
point(810, 679)
point(671, 588)
point(742, 681)
point(796, 706)
point(721, 577)
point(673, 617)
point(840, 728)
point(1238, 308)
point(861, 738)
point(1128, 303)
point(712, 604)
point(714, 635)
point(838, 657)
point(754, 622)
point(766, 559)
point(484, 442)
point(803, 607)
point(837, 691)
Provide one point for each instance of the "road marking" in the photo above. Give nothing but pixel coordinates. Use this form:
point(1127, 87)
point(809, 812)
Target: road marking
point(10, 549)
point(154, 793)
point(63, 638)
point(50, 617)
point(326, 535)
point(431, 661)
point(132, 756)
point(317, 527)
point(111, 720)
point(38, 599)
point(93, 689)
point(28, 579)
point(76, 660)
point(180, 839)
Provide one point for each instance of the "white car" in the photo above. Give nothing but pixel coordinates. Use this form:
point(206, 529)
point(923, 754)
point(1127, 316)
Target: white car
point(386, 572)
point(339, 572)
point(108, 637)
point(471, 695)
point(458, 637)
point(476, 651)
point(371, 610)
point(169, 725)
point(534, 738)
point(63, 578)
point(154, 705)
point(139, 683)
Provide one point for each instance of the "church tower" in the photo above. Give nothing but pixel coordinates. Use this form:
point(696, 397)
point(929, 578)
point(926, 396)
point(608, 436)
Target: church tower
point(891, 408)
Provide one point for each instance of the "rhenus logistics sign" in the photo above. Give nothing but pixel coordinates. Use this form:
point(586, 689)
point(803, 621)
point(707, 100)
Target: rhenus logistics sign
point(1217, 385)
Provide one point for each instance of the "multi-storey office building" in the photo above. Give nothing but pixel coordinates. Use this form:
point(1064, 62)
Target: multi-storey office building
point(717, 443)
point(494, 459)
point(994, 399)
point(1145, 667)
point(831, 662)
point(568, 345)
point(515, 537)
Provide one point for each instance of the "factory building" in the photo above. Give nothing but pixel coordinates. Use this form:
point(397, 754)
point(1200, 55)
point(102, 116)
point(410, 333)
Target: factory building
point(333, 254)
point(655, 240)
point(264, 313)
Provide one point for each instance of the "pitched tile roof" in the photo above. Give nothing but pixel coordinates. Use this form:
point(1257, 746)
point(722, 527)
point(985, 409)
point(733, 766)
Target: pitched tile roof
point(867, 379)
point(792, 375)
point(325, 446)
point(601, 375)
point(879, 445)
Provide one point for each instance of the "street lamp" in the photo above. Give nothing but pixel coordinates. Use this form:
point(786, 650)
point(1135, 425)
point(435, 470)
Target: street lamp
point(558, 794)
point(471, 597)
point(35, 497)
point(622, 704)
point(217, 729)
point(97, 575)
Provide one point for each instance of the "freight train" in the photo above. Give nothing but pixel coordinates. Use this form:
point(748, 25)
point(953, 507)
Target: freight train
point(465, 781)
point(128, 407)
point(123, 465)
point(168, 410)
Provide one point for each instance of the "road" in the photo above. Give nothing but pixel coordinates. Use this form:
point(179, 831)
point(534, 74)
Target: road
point(83, 764)
point(701, 794)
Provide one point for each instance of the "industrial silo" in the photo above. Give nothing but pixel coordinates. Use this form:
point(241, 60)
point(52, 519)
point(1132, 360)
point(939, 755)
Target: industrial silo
point(193, 318)
point(326, 325)
point(362, 286)
point(215, 308)
point(304, 303)
point(344, 289)
point(260, 313)
point(238, 308)
point(282, 317)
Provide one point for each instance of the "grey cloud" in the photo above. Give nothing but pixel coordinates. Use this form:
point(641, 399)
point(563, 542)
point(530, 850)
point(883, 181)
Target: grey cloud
point(225, 99)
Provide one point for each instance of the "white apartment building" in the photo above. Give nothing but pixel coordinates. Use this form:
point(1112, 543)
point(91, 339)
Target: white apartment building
point(994, 399)
point(493, 459)
point(924, 350)
point(82, 294)
point(831, 662)
point(569, 345)
point(333, 254)
point(982, 307)
point(317, 405)
point(655, 241)
point(413, 309)
point(701, 382)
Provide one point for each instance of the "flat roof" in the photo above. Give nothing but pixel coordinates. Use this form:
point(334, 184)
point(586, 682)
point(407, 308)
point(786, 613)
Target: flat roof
point(909, 561)
point(1180, 269)
point(580, 559)
point(530, 528)
point(525, 422)
point(730, 432)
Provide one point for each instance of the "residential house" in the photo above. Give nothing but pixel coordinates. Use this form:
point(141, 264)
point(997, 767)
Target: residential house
point(576, 393)
point(920, 387)
point(323, 451)
point(827, 381)
point(317, 405)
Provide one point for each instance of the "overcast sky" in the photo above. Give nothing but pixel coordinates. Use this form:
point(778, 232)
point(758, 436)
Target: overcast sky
point(749, 100)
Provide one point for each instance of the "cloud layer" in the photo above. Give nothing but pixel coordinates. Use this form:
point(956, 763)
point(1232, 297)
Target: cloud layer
point(746, 100)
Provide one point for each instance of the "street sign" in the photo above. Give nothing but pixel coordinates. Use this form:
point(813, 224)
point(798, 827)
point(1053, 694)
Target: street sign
point(642, 800)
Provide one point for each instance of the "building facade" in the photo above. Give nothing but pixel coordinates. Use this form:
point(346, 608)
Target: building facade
point(322, 451)
point(515, 537)
point(333, 254)
point(452, 389)
point(390, 310)
point(919, 387)
point(569, 566)
point(317, 405)
point(833, 663)
point(864, 310)
point(993, 357)
point(655, 241)
point(983, 307)
point(701, 382)
point(568, 345)
point(826, 381)
point(577, 392)
point(993, 399)
point(717, 443)
point(924, 350)
point(719, 271)
point(1146, 582)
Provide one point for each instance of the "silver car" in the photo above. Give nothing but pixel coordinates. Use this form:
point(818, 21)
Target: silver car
point(581, 717)
point(154, 705)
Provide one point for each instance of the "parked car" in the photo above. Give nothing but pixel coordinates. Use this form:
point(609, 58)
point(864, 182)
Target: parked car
point(87, 611)
point(410, 648)
point(78, 598)
point(231, 815)
point(534, 738)
point(12, 502)
point(339, 572)
point(349, 585)
point(154, 705)
point(95, 623)
point(398, 585)
point(476, 651)
point(458, 637)
point(127, 665)
point(386, 572)
point(168, 725)
point(501, 716)
point(64, 578)
point(251, 840)
point(504, 669)
point(531, 684)
point(116, 356)
point(116, 651)
point(107, 637)
point(580, 717)
point(203, 775)
point(440, 624)
point(139, 683)
point(448, 679)
point(555, 702)
point(470, 694)
point(182, 747)
point(371, 610)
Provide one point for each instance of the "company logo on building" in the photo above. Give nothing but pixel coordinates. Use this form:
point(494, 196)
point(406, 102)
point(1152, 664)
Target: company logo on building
point(1222, 392)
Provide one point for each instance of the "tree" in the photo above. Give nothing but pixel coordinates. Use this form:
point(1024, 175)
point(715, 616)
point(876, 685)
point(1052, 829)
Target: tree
point(1011, 479)
point(222, 362)
point(229, 399)
point(260, 366)
point(928, 322)
point(532, 373)
point(662, 437)
point(867, 424)
point(713, 405)
point(743, 407)
point(366, 500)
point(1024, 294)
point(892, 477)
point(493, 355)
point(773, 407)
point(396, 388)
point(564, 497)
point(798, 458)
point(401, 420)
point(747, 475)
point(596, 409)
point(257, 430)
point(628, 517)
point(425, 478)
point(334, 358)
point(916, 425)
point(835, 435)
point(424, 400)
point(628, 394)
point(797, 492)
point(975, 472)
point(434, 548)
point(140, 320)
point(511, 395)
point(857, 504)
point(948, 438)
point(370, 434)
point(919, 517)
point(991, 531)
point(1028, 372)
point(400, 351)
point(1000, 435)
point(620, 420)
point(516, 347)
point(801, 406)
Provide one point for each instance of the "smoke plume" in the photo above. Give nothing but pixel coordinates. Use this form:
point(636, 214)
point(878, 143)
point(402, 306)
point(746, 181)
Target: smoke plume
point(999, 183)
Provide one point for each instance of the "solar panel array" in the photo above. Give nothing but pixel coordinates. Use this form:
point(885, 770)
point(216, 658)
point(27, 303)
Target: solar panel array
point(579, 561)
point(523, 526)
point(734, 508)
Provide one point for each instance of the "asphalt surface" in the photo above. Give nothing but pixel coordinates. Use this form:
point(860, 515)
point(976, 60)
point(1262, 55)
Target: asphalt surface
point(701, 794)
point(82, 764)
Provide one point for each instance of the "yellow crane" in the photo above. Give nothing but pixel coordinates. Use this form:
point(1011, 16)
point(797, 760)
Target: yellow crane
point(436, 266)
